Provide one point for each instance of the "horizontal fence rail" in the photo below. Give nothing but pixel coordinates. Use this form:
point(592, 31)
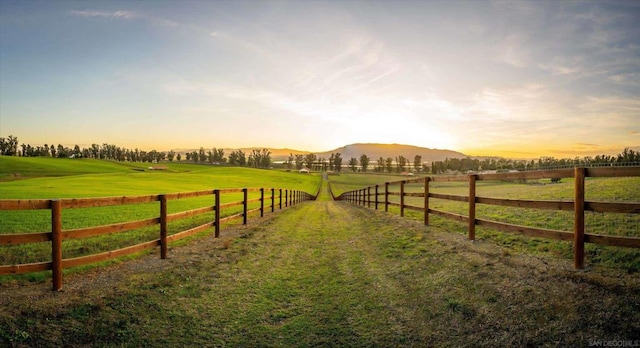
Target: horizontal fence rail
point(268, 199)
point(370, 196)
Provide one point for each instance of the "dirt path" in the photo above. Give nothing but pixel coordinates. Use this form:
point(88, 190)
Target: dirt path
point(327, 273)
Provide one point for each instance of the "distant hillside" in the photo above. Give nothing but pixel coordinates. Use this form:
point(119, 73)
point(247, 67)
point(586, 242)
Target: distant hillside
point(375, 151)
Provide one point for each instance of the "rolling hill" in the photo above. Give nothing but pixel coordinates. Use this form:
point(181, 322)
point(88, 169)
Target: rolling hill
point(374, 151)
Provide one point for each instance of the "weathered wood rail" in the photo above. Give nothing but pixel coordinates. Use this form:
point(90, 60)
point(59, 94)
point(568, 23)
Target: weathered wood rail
point(270, 198)
point(578, 205)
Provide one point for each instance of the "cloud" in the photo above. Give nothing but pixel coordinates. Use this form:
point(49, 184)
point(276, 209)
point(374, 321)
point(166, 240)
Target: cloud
point(103, 14)
point(128, 15)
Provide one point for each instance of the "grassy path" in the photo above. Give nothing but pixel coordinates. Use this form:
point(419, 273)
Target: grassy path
point(327, 273)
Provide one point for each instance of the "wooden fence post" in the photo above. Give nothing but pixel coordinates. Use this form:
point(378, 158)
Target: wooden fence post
point(369, 197)
point(56, 244)
point(280, 199)
point(402, 198)
point(376, 204)
point(273, 199)
point(386, 196)
point(217, 215)
point(163, 226)
point(578, 215)
point(426, 200)
point(261, 202)
point(472, 207)
point(244, 205)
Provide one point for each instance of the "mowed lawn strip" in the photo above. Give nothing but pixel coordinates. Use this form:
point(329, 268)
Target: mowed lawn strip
point(331, 274)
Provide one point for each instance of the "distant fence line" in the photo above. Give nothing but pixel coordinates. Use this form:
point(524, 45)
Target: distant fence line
point(578, 205)
point(277, 198)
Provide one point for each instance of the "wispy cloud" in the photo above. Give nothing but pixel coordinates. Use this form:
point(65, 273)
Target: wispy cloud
point(128, 15)
point(121, 14)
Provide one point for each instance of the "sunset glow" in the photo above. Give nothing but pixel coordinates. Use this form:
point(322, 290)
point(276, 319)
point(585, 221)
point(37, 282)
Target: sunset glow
point(515, 79)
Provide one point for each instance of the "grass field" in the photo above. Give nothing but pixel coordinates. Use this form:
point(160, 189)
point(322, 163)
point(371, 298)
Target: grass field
point(597, 189)
point(47, 178)
point(329, 274)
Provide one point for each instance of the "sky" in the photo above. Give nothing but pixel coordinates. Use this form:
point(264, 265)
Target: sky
point(513, 79)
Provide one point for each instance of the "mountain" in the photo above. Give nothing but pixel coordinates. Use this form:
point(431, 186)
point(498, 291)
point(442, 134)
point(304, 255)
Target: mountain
point(375, 151)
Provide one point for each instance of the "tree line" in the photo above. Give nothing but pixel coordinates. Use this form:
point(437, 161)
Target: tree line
point(261, 158)
point(463, 165)
point(258, 158)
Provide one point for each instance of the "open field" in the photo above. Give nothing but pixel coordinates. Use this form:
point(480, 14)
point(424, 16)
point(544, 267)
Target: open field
point(597, 189)
point(37, 178)
point(329, 274)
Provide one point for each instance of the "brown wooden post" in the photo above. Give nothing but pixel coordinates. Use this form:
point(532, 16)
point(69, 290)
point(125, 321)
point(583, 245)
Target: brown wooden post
point(217, 215)
point(56, 244)
point(280, 199)
point(286, 198)
point(386, 196)
point(369, 197)
point(273, 200)
point(244, 205)
point(376, 204)
point(163, 226)
point(426, 200)
point(472, 207)
point(261, 202)
point(578, 215)
point(402, 198)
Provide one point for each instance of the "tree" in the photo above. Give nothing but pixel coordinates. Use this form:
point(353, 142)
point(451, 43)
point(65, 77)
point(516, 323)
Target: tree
point(299, 161)
point(353, 164)
point(179, 157)
point(337, 162)
point(9, 146)
point(331, 161)
point(171, 155)
point(260, 158)
point(323, 163)
point(290, 160)
point(402, 163)
point(309, 160)
point(417, 163)
point(201, 156)
point(218, 155)
point(237, 158)
point(364, 162)
point(380, 165)
point(389, 164)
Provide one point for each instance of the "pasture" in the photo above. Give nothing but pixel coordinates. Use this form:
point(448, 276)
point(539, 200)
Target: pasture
point(621, 189)
point(46, 178)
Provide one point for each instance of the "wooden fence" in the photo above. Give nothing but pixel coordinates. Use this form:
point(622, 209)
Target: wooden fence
point(275, 198)
point(578, 205)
